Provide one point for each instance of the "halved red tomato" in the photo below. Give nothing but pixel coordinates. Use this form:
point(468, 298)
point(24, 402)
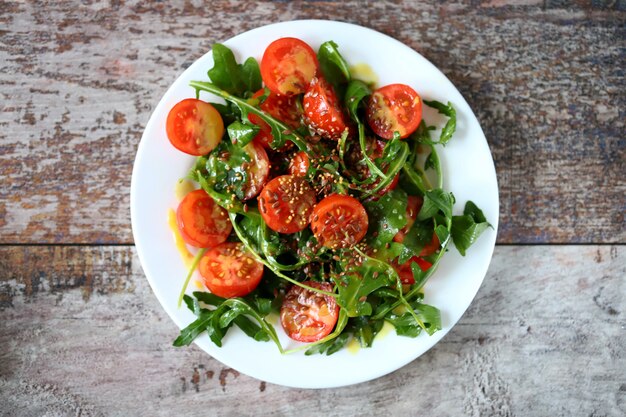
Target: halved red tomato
point(283, 108)
point(394, 108)
point(299, 164)
point(405, 271)
point(194, 127)
point(339, 221)
point(286, 203)
point(308, 316)
point(229, 270)
point(288, 65)
point(258, 169)
point(413, 206)
point(321, 110)
point(202, 223)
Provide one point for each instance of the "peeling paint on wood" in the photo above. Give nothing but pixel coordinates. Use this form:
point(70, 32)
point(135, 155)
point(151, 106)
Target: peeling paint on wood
point(80, 79)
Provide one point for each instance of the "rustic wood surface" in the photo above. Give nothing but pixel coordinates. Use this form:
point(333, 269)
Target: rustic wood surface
point(81, 332)
point(79, 81)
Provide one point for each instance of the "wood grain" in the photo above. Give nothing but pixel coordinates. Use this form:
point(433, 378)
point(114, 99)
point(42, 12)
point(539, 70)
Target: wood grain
point(82, 334)
point(80, 79)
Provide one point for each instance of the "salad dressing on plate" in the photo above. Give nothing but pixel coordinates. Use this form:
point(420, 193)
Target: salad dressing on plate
point(185, 255)
point(364, 73)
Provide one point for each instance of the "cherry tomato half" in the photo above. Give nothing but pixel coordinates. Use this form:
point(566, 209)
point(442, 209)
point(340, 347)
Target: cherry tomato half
point(413, 206)
point(299, 164)
point(406, 273)
point(339, 221)
point(286, 203)
point(288, 65)
point(202, 223)
point(308, 316)
point(321, 110)
point(394, 108)
point(194, 127)
point(258, 169)
point(283, 108)
point(229, 270)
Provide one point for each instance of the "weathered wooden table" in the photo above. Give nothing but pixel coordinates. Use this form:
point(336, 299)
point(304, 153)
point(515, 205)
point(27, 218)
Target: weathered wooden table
point(82, 334)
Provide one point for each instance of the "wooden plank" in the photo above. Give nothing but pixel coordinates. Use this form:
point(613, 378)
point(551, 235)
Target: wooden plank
point(82, 334)
point(79, 81)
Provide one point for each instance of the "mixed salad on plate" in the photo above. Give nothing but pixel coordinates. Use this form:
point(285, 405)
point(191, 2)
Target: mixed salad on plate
point(319, 199)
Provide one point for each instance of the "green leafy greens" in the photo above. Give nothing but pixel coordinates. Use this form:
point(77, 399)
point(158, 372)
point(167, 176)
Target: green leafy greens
point(367, 284)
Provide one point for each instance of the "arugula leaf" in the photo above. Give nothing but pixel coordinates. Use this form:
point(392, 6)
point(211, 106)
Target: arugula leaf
point(232, 77)
point(329, 347)
point(434, 201)
point(386, 217)
point(365, 329)
point(466, 229)
point(406, 325)
point(355, 93)
point(242, 133)
point(216, 322)
point(189, 333)
point(225, 168)
point(333, 65)
point(414, 241)
point(447, 110)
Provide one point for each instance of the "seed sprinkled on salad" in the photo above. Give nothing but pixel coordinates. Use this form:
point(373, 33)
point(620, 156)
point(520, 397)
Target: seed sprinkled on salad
point(312, 201)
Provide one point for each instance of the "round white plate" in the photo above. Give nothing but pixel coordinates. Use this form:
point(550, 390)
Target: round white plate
point(468, 171)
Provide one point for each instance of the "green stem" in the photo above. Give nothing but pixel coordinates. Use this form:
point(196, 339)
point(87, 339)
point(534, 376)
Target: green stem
point(259, 258)
point(192, 268)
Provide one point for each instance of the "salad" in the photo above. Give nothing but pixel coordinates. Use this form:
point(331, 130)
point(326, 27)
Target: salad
point(319, 199)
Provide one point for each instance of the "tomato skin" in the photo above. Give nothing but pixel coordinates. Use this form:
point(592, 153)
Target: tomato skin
point(202, 223)
point(283, 108)
point(229, 270)
point(288, 65)
point(258, 169)
point(406, 273)
point(194, 127)
point(394, 107)
point(299, 164)
point(322, 112)
point(307, 316)
point(339, 221)
point(286, 203)
point(413, 206)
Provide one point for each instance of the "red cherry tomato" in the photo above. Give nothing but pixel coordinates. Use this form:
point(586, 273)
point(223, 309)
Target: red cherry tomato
point(394, 108)
point(339, 221)
point(194, 127)
point(308, 316)
point(286, 204)
point(258, 169)
point(288, 65)
point(413, 206)
point(405, 271)
point(300, 164)
point(283, 108)
point(229, 270)
point(321, 110)
point(202, 223)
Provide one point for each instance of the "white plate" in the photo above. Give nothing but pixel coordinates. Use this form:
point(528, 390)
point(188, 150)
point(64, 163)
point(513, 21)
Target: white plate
point(468, 170)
